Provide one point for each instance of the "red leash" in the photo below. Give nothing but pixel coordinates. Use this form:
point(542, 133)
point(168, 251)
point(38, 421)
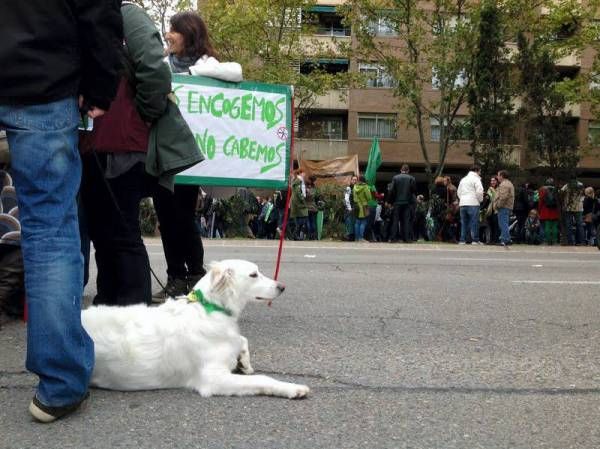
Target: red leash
point(287, 199)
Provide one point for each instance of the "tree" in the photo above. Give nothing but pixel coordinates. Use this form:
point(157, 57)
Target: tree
point(161, 10)
point(433, 46)
point(549, 128)
point(491, 120)
point(271, 39)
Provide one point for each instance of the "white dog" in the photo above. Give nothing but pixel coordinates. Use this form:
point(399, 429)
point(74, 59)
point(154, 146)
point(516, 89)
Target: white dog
point(192, 343)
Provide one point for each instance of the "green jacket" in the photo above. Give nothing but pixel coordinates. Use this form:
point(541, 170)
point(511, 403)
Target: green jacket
point(362, 196)
point(171, 144)
point(298, 206)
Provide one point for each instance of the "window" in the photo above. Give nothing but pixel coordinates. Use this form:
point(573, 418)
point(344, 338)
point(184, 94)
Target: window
point(594, 133)
point(332, 129)
point(377, 125)
point(461, 79)
point(378, 77)
point(382, 27)
point(461, 129)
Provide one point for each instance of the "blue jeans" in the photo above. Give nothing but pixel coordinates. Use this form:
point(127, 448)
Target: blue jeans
point(577, 219)
point(469, 221)
point(359, 228)
point(46, 171)
point(503, 216)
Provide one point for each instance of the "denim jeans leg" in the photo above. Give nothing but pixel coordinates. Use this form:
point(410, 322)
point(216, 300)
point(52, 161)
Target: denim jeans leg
point(474, 217)
point(47, 170)
point(464, 222)
point(503, 216)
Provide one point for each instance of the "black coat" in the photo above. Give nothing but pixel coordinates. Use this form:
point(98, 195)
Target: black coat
point(403, 189)
point(53, 49)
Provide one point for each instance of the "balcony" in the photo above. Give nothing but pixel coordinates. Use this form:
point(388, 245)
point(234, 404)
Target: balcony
point(333, 100)
point(325, 44)
point(320, 149)
point(572, 60)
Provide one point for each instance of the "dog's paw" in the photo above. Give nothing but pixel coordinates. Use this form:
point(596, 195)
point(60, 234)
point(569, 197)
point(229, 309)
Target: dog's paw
point(243, 367)
point(299, 392)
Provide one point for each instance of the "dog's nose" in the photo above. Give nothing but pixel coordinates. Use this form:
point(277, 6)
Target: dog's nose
point(280, 287)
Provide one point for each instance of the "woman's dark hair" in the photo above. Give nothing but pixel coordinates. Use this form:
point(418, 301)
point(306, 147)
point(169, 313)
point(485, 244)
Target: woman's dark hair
point(195, 34)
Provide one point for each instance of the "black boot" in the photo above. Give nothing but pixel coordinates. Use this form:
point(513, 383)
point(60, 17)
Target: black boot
point(175, 287)
point(193, 279)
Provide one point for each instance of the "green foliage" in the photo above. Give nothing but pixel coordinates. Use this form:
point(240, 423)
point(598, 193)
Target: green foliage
point(332, 196)
point(270, 40)
point(148, 219)
point(440, 39)
point(550, 131)
point(491, 120)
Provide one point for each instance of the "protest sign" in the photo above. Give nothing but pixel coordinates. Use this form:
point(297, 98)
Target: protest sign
point(244, 131)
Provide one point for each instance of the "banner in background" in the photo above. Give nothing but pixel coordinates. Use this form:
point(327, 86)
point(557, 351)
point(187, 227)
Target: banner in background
point(244, 131)
point(338, 170)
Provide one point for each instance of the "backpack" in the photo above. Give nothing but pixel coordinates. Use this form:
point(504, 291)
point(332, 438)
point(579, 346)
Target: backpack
point(550, 198)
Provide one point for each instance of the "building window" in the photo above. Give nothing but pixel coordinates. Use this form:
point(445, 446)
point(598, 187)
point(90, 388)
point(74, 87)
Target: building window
point(461, 79)
point(377, 125)
point(377, 75)
point(594, 133)
point(461, 129)
point(382, 27)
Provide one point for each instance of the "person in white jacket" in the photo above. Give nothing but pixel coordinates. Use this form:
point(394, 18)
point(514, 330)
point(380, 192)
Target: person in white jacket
point(470, 195)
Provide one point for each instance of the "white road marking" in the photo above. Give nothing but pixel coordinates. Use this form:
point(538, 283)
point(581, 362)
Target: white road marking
point(559, 282)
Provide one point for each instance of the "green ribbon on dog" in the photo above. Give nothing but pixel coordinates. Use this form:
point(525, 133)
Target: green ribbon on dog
point(210, 307)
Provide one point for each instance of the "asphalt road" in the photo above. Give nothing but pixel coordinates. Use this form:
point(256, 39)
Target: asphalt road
point(403, 346)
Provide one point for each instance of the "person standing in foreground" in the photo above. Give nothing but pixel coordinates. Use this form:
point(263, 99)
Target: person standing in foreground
point(189, 52)
point(470, 194)
point(74, 53)
point(402, 196)
point(503, 204)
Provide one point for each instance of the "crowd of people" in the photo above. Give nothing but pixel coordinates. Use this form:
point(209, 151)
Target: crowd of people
point(498, 213)
point(473, 211)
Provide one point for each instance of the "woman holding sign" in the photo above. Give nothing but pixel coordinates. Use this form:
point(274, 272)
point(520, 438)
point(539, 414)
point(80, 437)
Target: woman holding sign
point(190, 52)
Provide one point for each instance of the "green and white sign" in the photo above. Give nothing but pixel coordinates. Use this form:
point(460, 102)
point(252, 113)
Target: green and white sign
point(244, 131)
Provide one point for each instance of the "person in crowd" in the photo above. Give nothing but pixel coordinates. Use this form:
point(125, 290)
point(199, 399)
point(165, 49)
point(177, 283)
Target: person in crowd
point(503, 204)
point(438, 208)
point(370, 227)
point(47, 61)
point(311, 204)
point(298, 207)
point(361, 197)
point(378, 222)
point(189, 51)
point(524, 202)
point(590, 206)
point(279, 204)
point(491, 214)
point(453, 212)
point(470, 195)
point(548, 211)
point(402, 196)
point(533, 228)
point(573, 211)
point(114, 178)
point(419, 225)
point(386, 217)
point(349, 209)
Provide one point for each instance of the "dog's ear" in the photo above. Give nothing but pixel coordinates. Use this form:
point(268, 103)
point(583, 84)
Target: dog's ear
point(221, 279)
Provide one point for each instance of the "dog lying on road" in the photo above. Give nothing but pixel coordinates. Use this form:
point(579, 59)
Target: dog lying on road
point(191, 343)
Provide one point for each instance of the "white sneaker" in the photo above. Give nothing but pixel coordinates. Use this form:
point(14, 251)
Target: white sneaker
point(461, 243)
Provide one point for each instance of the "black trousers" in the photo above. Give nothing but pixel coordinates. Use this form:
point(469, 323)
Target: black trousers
point(179, 232)
point(121, 258)
point(401, 211)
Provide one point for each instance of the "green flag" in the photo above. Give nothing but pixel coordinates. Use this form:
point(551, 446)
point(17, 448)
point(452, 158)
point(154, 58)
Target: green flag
point(373, 163)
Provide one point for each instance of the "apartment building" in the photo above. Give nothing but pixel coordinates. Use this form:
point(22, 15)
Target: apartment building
point(343, 123)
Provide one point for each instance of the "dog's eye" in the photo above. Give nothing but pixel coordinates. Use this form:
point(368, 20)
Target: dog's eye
point(253, 275)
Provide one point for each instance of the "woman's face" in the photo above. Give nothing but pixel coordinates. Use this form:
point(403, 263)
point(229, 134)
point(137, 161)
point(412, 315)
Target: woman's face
point(175, 42)
point(493, 182)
